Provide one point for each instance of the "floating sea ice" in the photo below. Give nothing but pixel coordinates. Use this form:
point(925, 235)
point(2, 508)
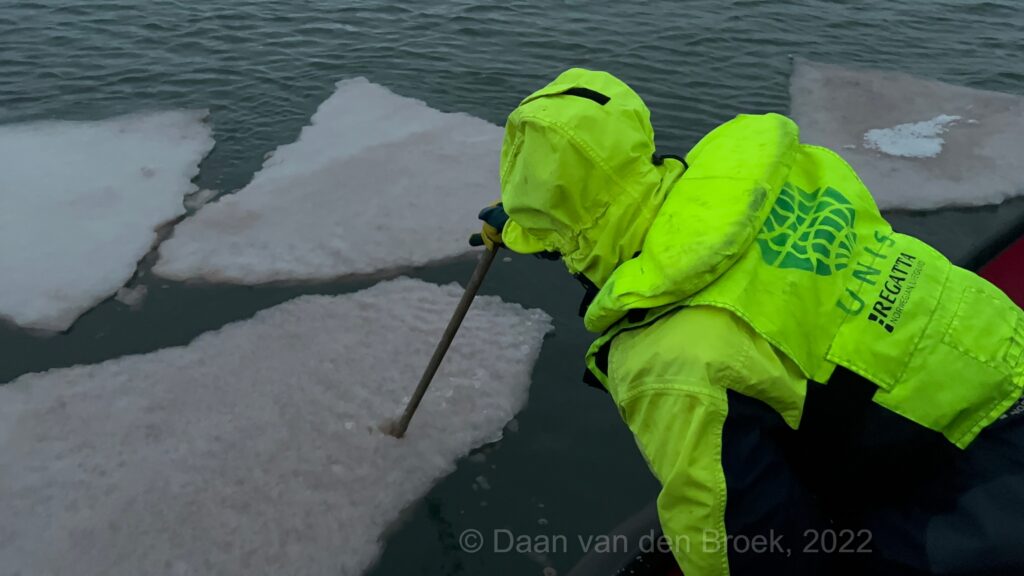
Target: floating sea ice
point(132, 297)
point(916, 143)
point(254, 449)
point(80, 203)
point(198, 199)
point(913, 140)
point(376, 181)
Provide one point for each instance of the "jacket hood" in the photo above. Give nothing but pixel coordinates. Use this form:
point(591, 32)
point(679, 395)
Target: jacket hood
point(578, 174)
point(579, 177)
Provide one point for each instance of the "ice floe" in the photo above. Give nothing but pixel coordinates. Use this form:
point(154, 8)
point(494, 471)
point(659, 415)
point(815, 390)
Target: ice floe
point(80, 203)
point(376, 181)
point(916, 143)
point(255, 449)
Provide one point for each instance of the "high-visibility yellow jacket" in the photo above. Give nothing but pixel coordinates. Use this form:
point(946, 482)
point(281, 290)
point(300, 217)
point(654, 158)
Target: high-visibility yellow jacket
point(756, 265)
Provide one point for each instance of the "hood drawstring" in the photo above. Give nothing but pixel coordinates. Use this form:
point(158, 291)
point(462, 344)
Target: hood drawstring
point(588, 297)
point(659, 159)
point(592, 290)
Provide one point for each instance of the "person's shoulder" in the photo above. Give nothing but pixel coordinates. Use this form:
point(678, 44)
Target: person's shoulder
point(688, 334)
point(689, 349)
point(713, 325)
point(756, 123)
point(749, 143)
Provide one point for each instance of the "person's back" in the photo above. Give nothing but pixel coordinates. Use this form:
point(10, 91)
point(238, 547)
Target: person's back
point(757, 318)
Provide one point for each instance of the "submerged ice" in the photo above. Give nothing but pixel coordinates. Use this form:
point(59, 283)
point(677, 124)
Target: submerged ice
point(376, 181)
point(916, 143)
point(255, 449)
point(80, 203)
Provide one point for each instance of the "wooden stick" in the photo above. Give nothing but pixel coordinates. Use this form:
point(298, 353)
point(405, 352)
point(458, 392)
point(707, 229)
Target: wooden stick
point(398, 430)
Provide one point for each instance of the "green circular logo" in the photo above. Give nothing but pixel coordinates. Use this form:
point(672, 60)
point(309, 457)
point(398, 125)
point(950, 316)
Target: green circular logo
point(810, 231)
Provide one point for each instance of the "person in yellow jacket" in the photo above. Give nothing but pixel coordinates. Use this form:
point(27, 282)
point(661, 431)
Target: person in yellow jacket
point(815, 392)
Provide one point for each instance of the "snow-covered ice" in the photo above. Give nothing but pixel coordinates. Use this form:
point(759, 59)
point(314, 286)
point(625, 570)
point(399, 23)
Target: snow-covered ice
point(255, 449)
point(916, 143)
point(911, 140)
point(376, 181)
point(80, 203)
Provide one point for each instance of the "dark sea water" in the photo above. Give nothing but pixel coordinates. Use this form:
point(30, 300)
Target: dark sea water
point(569, 467)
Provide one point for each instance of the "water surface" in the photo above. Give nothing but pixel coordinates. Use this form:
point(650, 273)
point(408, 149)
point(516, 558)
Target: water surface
point(261, 68)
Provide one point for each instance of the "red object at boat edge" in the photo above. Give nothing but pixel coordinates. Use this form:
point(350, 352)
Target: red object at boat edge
point(1007, 271)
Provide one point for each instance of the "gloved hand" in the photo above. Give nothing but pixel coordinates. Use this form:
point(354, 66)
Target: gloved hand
point(494, 218)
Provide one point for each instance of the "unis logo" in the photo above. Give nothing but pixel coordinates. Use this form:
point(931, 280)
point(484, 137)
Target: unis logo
point(810, 231)
point(894, 290)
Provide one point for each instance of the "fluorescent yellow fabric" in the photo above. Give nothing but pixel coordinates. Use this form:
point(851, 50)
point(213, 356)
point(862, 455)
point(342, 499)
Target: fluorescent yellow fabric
point(953, 362)
point(577, 176)
point(764, 264)
point(674, 400)
point(707, 221)
point(792, 242)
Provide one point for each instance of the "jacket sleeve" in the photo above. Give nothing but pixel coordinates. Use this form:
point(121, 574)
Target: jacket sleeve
point(684, 453)
point(669, 381)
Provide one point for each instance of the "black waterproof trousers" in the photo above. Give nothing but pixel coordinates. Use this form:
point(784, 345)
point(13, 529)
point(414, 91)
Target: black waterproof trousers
point(861, 490)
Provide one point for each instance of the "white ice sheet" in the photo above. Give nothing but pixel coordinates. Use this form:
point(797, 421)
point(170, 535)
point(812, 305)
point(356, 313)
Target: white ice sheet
point(80, 203)
point(255, 449)
point(376, 181)
point(916, 143)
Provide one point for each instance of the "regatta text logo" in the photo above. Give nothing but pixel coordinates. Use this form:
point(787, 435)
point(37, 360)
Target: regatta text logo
point(896, 287)
point(889, 307)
